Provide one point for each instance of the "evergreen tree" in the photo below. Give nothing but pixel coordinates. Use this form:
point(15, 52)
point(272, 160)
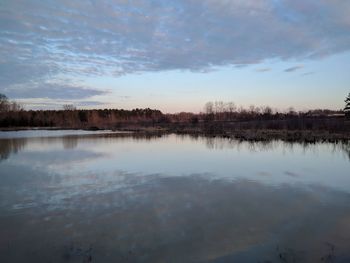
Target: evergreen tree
point(347, 106)
point(4, 103)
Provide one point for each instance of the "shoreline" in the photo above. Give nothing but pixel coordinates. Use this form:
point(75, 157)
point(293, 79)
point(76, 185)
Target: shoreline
point(243, 134)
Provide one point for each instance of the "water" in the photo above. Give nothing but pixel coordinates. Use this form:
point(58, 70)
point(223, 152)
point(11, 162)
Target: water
point(99, 197)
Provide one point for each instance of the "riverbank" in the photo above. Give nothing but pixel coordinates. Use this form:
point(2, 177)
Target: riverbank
point(240, 134)
point(285, 135)
point(261, 135)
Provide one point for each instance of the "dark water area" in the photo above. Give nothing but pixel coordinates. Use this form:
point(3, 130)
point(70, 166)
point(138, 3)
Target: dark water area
point(96, 197)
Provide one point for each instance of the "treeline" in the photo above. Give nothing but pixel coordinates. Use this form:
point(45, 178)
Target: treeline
point(210, 122)
point(221, 111)
point(227, 112)
point(218, 117)
point(225, 117)
point(107, 118)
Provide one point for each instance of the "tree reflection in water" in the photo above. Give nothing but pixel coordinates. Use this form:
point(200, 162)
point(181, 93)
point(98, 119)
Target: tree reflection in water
point(11, 146)
point(14, 145)
point(218, 143)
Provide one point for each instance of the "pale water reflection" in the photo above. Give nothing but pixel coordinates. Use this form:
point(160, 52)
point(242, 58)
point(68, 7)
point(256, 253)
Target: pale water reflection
point(123, 198)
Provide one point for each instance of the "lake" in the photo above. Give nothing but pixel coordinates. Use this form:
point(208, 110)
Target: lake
point(74, 196)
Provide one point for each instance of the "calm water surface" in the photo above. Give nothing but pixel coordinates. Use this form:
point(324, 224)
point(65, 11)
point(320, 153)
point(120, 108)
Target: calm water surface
point(94, 197)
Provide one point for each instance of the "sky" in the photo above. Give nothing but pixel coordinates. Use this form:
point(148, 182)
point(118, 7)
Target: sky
point(175, 55)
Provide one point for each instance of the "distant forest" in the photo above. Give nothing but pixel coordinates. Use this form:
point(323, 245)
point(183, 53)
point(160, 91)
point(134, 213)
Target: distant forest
point(218, 117)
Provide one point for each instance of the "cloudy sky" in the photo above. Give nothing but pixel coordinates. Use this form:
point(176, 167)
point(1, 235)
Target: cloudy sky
point(175, 55)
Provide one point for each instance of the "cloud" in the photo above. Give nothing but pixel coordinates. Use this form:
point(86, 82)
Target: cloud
point(51, 91)
point(263, 69)
point(308, 73)
point(295, 68)
point(44, 103)
point(88, 103)
point(43, 40)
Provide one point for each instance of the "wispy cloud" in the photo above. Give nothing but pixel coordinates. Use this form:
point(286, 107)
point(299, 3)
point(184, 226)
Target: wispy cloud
point(51, 91)
point(263, 69)
point(44, 103)
point(308, 73)
point(295, 68)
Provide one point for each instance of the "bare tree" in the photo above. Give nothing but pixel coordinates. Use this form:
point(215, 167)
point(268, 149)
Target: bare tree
point(6, 105)
point(267, 110)
point(69, 107)
point(209, 108)
point(219, 106)
point(231, 107)
point(291, 111)
point(14, 106)
point(252, 109)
